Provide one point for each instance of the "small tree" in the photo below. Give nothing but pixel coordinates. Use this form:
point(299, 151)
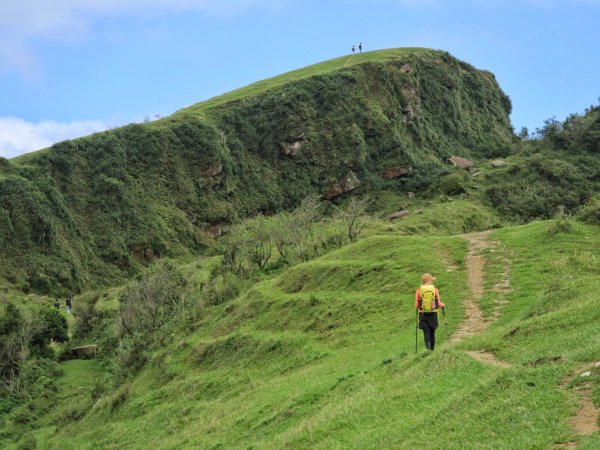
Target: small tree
point(23, 336)
point(150, 303)
point(258, 241)
point(234, 248)
point(524, 134)
point(280, 232)
point(354, 217)
point(14, 347)
point(47, 325)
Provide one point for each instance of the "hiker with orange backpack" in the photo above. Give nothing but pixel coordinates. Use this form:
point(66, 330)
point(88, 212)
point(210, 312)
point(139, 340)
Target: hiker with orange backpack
point(427, 304)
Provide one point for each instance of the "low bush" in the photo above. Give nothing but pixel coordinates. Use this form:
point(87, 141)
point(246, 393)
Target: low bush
point(590, 211)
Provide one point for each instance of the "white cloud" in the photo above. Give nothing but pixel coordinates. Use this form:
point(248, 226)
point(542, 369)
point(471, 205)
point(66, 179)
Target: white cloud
point(24, 21)
point(18, 136)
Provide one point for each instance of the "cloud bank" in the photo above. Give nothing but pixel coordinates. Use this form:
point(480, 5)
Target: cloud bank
point(18, 136)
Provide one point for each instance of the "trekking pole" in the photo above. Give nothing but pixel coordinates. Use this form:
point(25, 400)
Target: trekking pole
point(445, 322)
point(416, 328)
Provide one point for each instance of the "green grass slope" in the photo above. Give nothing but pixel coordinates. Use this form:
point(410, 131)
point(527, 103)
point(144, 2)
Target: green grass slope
point(76, 215)
point(322, 356)
point(322, 68)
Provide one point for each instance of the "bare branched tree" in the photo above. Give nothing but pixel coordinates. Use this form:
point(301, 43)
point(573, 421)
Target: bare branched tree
point(354, 216)
point(149, 303)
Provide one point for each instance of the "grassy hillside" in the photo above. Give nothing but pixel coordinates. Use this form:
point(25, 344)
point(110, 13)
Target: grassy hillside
point(322, 68)
point(322, 356)
point(84, 212)
point(285, 332)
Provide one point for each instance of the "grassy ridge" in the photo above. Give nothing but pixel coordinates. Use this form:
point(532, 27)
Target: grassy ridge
point(316, 69)
point(322, 356)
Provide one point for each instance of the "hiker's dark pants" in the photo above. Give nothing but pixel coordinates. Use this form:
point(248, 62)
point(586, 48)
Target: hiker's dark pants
point(428, 322)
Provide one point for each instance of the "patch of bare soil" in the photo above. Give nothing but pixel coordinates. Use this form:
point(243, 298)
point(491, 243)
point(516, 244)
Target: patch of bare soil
point(475, 322)
point(585, 421)
point(488, 358)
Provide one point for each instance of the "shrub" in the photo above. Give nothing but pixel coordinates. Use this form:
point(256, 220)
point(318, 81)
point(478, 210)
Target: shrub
point(154, 300)
point(149, 308)
point(28, 442)
point(220, 288)
point(86, 316)
point(562, 223)
point(475, 222)
point(353, 216)
point(454, 183)
point(590, 212)
point(48, 325)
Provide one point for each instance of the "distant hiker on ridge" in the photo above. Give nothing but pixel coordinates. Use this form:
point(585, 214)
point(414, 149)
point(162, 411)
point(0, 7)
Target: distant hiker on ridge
point(353, 48)
point(427, 303)
point(360, 47)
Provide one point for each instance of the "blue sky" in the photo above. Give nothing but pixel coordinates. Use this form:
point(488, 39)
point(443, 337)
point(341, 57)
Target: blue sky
point(72, 67)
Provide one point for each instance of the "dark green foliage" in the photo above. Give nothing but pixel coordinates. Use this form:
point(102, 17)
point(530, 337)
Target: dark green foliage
point(49, 325)
point(13, 347)
point(77, 215)
point(86, 316)
point(10, 321)
point(27, 368)
point(590, 212)
point(560, 169)
point(453, 183)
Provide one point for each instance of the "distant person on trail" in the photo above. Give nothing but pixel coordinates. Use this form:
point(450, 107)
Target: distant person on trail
point(427, 304)
point(68, 304)
point(353, 48)
point(360, 47)
point(56, 304)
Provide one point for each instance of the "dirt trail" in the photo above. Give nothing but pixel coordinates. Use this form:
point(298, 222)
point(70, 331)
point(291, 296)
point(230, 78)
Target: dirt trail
point(585, 421)
point(475, 323)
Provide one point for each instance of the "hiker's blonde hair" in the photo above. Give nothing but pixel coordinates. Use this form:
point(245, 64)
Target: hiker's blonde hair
point(427, 278)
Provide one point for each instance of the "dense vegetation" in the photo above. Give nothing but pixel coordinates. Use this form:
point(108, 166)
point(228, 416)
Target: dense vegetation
point(560, 167)
point(72, 216)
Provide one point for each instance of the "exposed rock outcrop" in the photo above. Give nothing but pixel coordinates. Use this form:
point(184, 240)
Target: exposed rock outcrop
point(83, 352)
point(406, 68)
point(212, 171)
point(498, 163)
point(461, 163)
point(398, 171)
point(409, 113)
point(290, 148)
point(346, 184)
point(397, 215)
point(142, 251)
point(214, 231)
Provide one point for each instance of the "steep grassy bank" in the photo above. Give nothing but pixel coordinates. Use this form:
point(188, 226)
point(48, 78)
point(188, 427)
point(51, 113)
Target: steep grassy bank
point(87, 212)
point(322, 356)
